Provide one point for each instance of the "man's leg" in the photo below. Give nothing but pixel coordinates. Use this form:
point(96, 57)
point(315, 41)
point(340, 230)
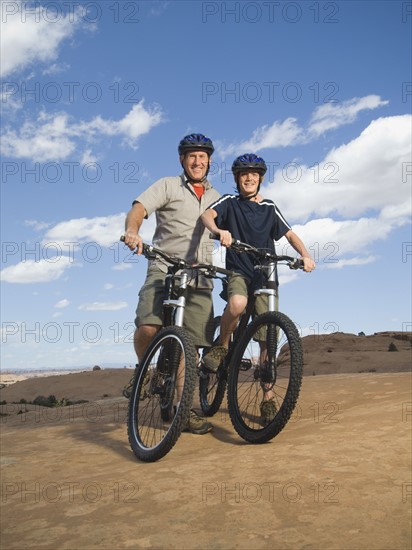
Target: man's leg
point(143, 335)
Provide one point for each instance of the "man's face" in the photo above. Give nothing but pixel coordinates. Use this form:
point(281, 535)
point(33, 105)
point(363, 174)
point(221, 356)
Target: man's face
point(196, 164)
point(248, 183)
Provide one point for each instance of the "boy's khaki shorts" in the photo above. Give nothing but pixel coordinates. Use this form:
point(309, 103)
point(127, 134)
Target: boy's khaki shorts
point(198, 318)
point(238, 285)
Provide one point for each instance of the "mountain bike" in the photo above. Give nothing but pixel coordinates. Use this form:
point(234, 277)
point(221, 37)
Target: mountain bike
point(264, 359)
point(164, 382)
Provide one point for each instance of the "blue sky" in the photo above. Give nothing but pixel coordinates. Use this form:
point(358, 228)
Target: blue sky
point(97, 95)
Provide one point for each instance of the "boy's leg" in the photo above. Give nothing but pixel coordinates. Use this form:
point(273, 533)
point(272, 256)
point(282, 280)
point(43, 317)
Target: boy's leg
point(237, 301)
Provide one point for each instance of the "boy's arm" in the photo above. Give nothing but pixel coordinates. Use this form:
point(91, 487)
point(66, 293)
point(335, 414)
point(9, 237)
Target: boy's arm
point(297, 243)
point(208, 218)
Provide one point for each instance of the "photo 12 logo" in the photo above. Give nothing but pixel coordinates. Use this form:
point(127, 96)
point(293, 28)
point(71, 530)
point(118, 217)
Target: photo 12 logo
point(270, 12)
point(71, 12)
point(68, 92)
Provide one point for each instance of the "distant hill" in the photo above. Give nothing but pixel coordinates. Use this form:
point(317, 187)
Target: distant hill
point(341, 352)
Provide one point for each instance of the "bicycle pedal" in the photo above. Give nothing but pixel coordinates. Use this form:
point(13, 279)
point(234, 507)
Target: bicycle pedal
point(245, 364)
point(203, 374)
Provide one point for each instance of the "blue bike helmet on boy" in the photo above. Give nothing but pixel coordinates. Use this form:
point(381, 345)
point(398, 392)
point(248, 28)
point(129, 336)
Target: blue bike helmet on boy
point(250, 162)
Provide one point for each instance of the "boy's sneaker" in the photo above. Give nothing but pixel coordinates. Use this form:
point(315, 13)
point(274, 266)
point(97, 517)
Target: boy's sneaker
point(197, 424)
point(128, 387)
point(127, 390)
point(268, 411)
point(214, 358)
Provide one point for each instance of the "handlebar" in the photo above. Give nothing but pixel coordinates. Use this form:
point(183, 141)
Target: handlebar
point(262, 254)
point(152, 253)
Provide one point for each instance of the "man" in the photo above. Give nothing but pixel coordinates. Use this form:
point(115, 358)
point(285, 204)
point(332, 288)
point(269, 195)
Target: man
point(258, 222)
point(178, 203)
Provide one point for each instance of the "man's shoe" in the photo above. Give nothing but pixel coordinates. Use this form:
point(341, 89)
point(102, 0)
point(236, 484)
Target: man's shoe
point(214, 358)
point(268, 411)
point(197, 424)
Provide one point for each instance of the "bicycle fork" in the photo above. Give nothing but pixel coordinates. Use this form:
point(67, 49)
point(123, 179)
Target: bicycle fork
point(268, 349)
point(179, 303)
point(173, 369)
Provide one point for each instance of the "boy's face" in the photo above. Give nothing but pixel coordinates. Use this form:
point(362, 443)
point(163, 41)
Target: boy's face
point(248, 183)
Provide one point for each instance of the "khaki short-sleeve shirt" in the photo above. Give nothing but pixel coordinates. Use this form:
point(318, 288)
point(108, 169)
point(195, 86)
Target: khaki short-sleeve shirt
point(179, 230)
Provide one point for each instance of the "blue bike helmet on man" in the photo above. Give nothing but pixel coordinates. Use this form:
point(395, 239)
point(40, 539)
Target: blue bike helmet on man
point(195, 142)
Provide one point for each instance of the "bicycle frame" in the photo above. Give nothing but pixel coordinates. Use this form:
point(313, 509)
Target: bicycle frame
point(270, 288)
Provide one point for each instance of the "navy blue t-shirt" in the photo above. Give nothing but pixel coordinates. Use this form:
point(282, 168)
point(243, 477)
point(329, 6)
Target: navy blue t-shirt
point(256, 223)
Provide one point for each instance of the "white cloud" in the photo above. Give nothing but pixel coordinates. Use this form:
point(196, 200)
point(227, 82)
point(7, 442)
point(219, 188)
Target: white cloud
point(121, 267)
point(108, 286)
point(282, 134)
point(89, 158)
point(352, 261)
point(102, 230)
point(56, 68)
point(157, 8)
point(333, 115)
point(30, 271)
point(36, 225)
point(362, 175)
point(278, 134)
point(369, 200)
point(31, 36)
point(47, 139)
point(103, 306)
point(52, 137)
point(62, 303)
point(137, 122)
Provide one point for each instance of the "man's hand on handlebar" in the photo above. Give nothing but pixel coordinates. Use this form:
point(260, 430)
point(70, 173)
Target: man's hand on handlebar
point(133, 241)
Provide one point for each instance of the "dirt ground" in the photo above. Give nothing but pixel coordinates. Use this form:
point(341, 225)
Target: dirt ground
point(337, 477)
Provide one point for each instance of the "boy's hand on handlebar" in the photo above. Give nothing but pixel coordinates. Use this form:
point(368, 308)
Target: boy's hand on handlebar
point(308, 264)
point(133, 241)
point(225, 238)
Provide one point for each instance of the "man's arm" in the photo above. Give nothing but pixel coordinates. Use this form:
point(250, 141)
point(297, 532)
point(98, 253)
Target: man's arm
point(208, 218)
point(134, 220)
point(297, 243)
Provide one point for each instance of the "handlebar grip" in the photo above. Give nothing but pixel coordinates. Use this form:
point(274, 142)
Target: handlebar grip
point(235, 242)
point(297, 264)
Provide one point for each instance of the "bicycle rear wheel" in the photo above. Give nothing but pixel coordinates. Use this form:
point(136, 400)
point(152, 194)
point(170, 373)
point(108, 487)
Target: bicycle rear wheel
point(267, 365)
point(162, 394)
point(212, 386)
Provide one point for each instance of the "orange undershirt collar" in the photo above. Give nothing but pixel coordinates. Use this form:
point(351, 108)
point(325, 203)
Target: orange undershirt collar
point(199, 189)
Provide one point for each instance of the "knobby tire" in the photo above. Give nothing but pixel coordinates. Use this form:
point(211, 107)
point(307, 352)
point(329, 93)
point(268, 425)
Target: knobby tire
point(151, 434)
point(251, 375)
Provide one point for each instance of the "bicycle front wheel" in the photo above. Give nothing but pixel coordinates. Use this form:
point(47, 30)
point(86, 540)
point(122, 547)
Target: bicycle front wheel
point(265, 377)
point(162, 394)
